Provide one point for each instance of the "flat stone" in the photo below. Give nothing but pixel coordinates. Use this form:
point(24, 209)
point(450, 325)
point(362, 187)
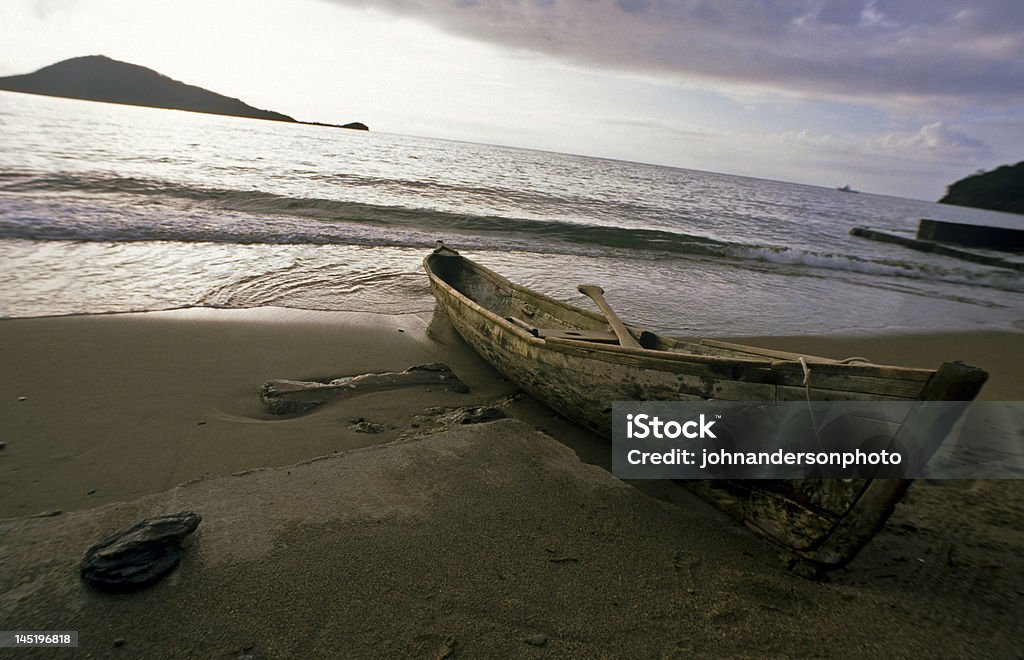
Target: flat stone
point(139, 555)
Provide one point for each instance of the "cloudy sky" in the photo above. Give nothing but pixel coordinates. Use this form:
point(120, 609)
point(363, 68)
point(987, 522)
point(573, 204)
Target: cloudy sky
point(898, 97)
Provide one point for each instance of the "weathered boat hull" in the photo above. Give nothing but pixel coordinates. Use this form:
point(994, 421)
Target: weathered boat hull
point(822, 521)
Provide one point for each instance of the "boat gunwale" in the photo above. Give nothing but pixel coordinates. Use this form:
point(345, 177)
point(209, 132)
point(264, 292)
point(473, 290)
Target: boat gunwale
point(615, 352)
point(598, 350)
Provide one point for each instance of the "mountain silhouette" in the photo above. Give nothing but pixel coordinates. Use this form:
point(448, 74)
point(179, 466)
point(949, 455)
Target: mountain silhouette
point(100, 78)
point(1002, 189)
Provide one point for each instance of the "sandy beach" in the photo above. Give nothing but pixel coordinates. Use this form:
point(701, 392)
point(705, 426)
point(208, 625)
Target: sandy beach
point(429, 536)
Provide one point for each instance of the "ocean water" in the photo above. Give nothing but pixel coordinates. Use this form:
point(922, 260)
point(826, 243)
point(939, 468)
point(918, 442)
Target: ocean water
point(107, 208)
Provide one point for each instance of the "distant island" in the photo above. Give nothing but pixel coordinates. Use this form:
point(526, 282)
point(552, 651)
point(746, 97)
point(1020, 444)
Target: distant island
point(100, 78)
point(1002, 189)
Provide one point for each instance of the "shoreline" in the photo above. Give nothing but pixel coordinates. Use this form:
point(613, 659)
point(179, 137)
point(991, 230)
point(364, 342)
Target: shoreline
point(484, 539)
point(427, 310)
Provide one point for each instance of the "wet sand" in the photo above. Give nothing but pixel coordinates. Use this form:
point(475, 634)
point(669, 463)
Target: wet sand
point(432, 537)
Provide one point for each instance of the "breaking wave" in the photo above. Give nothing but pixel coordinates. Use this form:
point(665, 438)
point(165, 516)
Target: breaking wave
point(94, 208)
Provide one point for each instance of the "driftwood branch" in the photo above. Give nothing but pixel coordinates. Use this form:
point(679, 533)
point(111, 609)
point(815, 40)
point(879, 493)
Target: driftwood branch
point(284, 397)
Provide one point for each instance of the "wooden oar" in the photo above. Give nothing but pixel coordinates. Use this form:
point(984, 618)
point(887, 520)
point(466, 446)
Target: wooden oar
point(596, 294)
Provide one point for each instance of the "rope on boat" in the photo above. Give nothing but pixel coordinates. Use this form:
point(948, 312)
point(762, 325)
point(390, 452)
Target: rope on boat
point(807, 389)
point(810, 406)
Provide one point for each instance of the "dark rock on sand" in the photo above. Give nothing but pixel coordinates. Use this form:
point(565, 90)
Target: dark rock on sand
point(438, 419)
point(481, 414)
point(363, 426)
point(139, 555)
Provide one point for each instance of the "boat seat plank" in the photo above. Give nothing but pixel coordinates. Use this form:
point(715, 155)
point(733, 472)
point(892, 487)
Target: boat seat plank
point(598, 336)
point(579, 335)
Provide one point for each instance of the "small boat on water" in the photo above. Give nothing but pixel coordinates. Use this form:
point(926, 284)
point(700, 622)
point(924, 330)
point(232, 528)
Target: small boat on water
point(567, 358)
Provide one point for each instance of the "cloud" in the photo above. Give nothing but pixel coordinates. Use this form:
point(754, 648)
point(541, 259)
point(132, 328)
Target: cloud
point(939, 139)
point(935, 143)
point(663, 127)
point(44, 9)
point(961, 51)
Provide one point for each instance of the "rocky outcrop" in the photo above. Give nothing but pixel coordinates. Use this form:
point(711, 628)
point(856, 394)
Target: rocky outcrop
point(1002, 189)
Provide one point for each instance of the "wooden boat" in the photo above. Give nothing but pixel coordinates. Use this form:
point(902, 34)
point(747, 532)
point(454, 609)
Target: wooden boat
point(566, 357)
